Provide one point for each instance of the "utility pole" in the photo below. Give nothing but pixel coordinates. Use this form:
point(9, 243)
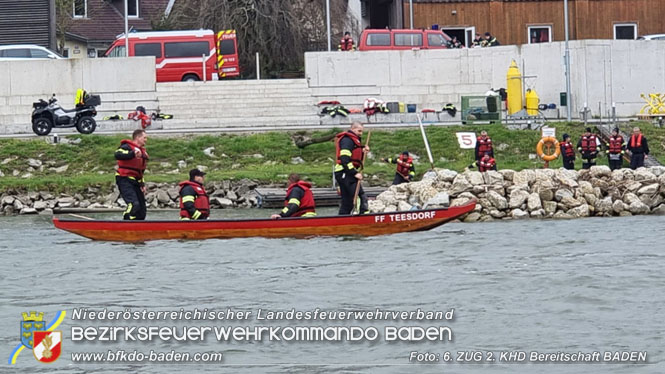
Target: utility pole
point(126, 31)
point(328, 23)
point(569, 100)
point(411, 14)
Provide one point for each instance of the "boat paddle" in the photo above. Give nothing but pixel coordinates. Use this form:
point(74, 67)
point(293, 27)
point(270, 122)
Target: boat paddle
point(356, 205)
point(429, 152)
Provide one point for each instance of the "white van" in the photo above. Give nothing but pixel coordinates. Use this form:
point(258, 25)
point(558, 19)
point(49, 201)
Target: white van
point(652, 37)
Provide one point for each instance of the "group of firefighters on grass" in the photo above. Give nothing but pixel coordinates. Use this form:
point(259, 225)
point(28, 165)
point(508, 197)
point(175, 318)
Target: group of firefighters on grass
point(350, 153)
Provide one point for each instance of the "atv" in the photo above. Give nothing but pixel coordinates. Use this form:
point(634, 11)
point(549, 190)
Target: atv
point(46, 116)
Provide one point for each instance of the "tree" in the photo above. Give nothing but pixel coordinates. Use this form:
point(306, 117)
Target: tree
point(63, 21)
point(280, 30)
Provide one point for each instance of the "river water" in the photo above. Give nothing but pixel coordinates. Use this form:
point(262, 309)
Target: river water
point(546, 286)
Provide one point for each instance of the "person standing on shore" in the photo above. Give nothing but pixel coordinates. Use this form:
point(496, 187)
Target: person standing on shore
point(346, 44)
point(132, 159)
point(616, 147)
point(638, 147)
point(349, 155)
point(588, 147)
point(483, 145)
point(194, 202)
point(405, 170)
point(299, 200)
point(567, 153)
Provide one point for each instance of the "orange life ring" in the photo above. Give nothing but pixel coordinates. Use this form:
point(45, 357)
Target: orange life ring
point(550, 141)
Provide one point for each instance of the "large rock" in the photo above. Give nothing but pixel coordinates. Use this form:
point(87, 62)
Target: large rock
point(446, 175)
point(659, 210)
point(600, 171)
point(619, 206)
point(644, 175)
point(524, 177)
point(533, 202)
point(630, 198)
point(28, 211)
point(562, 215)
point(163, 197)
point(652, 200)
point(519, 214)
point(403, 206)
point(498, 214)
point(493, 177)
point(388, 198)
point(580, 211)
point(560, 194)
point(638, 207)
point(34, 163)
point(440, 200)
point(550, 207)
point(649, 189)
point(507, 174)
point(7, 200)
point(174, 193)
point(376, 206)
point(657, 170)
point(584, 187)
point(460, 184)
point(40, 205)
point(567, 178)
point(222, 202)
point(517, 198)
point(66, 202)
point(472, 217)
point(603, 205)
point(497, 200)
point(475, 178)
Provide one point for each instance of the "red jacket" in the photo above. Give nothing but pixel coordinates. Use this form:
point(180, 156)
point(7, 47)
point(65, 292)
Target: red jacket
point(201, 202)
point(133, 167)
point(305, 203)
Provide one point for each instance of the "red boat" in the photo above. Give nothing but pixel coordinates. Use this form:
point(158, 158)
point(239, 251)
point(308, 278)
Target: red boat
point(362, 225)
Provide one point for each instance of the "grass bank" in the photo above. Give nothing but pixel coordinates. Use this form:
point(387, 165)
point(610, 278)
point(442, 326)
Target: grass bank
point(266, 157)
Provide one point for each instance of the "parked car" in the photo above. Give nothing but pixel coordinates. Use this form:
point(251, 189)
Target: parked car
point(386, 40)
point(26, 52)
point(652, 37)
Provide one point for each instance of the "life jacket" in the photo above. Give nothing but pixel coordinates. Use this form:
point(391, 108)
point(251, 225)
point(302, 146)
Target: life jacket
point(134, 167)
point(635, 141)
point(201, 203)
point(567, 149)
point(306, 203)
point(346, 44)
point(404, 167)
point(589, 143)
point(356, 153)
point(616, 144)
point(484, 145)
point(486, 163)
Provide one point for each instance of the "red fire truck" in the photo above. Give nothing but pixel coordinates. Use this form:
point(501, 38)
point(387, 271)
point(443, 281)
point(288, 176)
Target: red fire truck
point(179, 55)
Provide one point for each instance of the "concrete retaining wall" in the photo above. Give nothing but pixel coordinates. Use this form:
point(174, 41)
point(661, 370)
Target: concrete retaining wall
point(602, 71)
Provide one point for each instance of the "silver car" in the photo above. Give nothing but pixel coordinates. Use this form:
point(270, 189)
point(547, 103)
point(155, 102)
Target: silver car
point(26, 52)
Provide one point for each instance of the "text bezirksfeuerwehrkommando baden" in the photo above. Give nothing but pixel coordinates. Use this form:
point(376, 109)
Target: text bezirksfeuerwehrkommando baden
point(196, 314)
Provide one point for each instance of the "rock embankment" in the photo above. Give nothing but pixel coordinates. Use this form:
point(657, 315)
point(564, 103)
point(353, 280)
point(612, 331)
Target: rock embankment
point(540, 193)
point(224, 194)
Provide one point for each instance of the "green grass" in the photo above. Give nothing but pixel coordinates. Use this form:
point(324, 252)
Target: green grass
point(91, 161)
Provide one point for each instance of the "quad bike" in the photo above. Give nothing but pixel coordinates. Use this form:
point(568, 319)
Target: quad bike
point(46, 116)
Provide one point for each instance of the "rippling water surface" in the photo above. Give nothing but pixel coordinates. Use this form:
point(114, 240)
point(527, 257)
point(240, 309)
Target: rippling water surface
point(585, 285)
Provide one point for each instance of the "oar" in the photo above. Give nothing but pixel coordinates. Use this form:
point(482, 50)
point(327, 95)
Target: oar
point(80, 216)
point(356, 207)
point(429, 152)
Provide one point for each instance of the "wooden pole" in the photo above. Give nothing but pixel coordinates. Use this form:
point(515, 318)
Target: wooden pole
point(362, 165)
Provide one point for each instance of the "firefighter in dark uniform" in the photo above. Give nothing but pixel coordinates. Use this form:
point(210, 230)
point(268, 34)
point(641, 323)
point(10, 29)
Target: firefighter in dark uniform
point(483, 145)
point(194, 202)
point(616, 147)
point(132, 159)
point(346, 44)
point(299, 200)
point(638, 147)
point(567, 152)
point(588, 147)
point(486, 163)
point(349, 157)
point(406, 171)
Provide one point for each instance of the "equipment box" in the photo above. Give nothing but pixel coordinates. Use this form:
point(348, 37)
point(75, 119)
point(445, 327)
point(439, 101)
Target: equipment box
point(481, 108)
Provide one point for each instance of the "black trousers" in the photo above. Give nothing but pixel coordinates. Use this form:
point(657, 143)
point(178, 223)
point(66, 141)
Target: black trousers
point(588, 160)
point(347, 185)
point(399, 179)
point(636, 160)
point(615, 164)
point(569, 164)
point(130, 190)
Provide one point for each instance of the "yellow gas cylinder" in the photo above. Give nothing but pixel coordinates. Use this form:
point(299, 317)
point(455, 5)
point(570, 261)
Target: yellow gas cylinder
point(532, 101)
point(514, 89)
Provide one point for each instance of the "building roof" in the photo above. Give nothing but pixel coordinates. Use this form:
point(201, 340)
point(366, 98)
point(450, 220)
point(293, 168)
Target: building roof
point(105, 19)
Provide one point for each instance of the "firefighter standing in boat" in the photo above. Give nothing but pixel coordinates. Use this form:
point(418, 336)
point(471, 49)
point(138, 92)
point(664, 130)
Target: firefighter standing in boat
point(616, 147)
point(588, 147)
point(132, 159)
point(567, 153)
point(405, 170)
point(299, 199)
point(349, 155)
point(638, 147)
point(194, 202)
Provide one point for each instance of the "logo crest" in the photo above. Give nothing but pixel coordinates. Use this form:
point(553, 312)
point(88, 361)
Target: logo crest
point(31, 322)
point(47, 347)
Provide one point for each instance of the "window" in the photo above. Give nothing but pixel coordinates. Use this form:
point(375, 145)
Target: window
point(410, 39)
point(539, 34)
point(17, 53)
point(148, 49)
point(625, 31)
point(132, 8)
point(118, 51)
point(38, 53)
point(186, 49)
point(65, 52)
point(92, 53)
point(80, 8)
point(378, 39)
point(227, 47)
point(436, 40)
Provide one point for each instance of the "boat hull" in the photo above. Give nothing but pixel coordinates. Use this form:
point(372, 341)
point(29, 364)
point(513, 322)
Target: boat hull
point(362, 225)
